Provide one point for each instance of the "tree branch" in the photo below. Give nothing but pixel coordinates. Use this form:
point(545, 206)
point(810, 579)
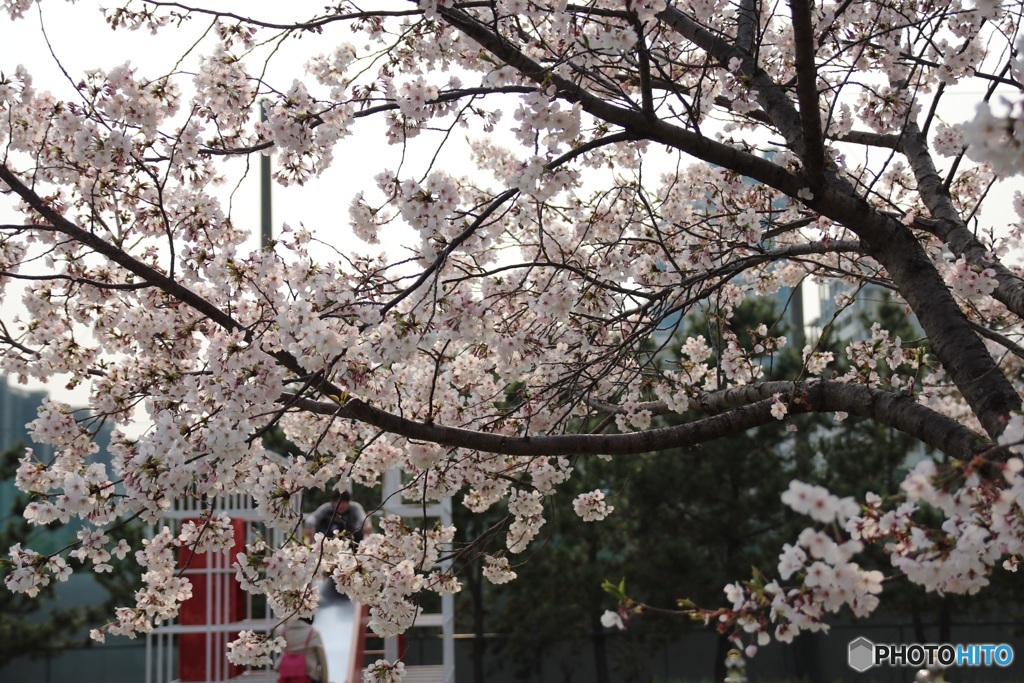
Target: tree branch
point(460, 239)
point(948, 226)
point(746, 407)
point(807, 88)
point(118, 256)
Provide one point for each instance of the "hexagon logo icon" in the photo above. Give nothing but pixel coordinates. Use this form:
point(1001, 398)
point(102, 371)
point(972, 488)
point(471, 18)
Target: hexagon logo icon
point(862, 654)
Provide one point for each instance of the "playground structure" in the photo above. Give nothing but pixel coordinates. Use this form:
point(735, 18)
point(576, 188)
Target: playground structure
point(193, 648)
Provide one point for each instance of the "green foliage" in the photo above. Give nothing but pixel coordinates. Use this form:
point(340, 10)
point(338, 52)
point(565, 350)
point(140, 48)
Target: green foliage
point(616, 590)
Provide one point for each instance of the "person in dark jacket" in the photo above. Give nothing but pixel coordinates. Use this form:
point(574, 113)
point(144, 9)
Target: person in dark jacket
point(341, 515)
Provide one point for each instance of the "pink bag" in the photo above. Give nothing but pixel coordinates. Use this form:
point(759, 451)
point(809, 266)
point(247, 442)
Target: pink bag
point(292, 667)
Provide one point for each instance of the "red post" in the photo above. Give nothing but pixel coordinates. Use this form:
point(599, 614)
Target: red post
point(217, 599)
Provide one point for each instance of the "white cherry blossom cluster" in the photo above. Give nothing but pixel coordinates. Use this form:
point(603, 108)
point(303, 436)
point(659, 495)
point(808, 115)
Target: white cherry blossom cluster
point(93, 545)
point(365, 220)
point(949, 139)
point(430, 8)
point(427, 207)
point(418, 102)
point(532, 177)
point(31, 571)
point(389, 569)
point(277, 486)
point(547, 473)
point(497, 569)
point(633, 417)
point(85, 489)
point(591, 506)
point(673, 392)
point(254, 649)
point(414, 96)
point(606, 41)
point(304, 133)
point(286, 575)
point(154, 469)
point(817, 503)
point(816, 361)
point(225, 92)
point(997, 139)
point(162, 592)
point(210, 533)
point(1013, 436)
point(886, 109)
point(830, 582)
point(333, 70)
point(543, 121)
point(17, 8)
point(383, 671)
point(816, 578)
point(867, 357)
point(528, 512)
point(969, 282)
point(966, 193)
point(736, 87)
point(737, 362)
point(983, 528)
point(646, 10)
point(378, 573)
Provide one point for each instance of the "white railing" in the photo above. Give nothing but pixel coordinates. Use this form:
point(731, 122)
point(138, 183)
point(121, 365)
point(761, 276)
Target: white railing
point(395, 504)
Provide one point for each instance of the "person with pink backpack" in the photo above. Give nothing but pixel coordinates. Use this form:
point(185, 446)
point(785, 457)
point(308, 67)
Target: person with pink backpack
point(303, 660)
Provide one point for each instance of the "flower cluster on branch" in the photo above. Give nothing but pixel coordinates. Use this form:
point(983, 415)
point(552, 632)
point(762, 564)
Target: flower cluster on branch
point(490, 307)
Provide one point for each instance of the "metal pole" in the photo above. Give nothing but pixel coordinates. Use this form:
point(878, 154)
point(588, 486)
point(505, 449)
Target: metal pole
point(266, 232)
point(796, 316)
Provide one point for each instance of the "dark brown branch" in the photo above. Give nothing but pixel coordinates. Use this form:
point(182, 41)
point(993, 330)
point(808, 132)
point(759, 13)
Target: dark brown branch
point(948, 226)
point(317, 120)
point(973, 370)
point(633, 121)
point(312, 25)
point(745, 408)
point(861, 137)
point(644, 59)
point(770, 95)
point(807, 88)
point(746, 27)
point(118, 256)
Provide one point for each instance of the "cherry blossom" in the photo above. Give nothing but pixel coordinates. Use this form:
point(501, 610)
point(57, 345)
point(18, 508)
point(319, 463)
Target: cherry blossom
point(496, 570)
point(383, 671)
point(514, 290)
point(612, 619)
point(591, 507)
